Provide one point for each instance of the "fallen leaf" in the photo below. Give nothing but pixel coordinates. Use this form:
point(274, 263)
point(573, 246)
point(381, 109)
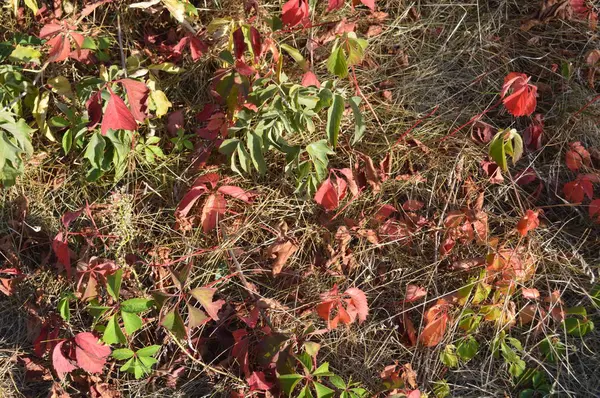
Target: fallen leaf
point(528, 222)
point(62, 365)
point(531, 294)
point(522, 98)
point(414, 293)
point(90, 353)
point(281, 252)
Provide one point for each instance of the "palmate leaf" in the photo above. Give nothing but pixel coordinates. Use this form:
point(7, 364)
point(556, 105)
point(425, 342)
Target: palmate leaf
point(15, 141)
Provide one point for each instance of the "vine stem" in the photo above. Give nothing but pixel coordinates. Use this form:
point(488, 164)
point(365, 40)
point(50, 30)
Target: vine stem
point(360, 93)
point(434, 110)
point(471, 121)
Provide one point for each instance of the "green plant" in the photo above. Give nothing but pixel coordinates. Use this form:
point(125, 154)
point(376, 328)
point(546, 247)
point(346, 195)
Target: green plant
point(539, 384)
point(509, 348)
point(140, 362)
point(506, 142)
point(127, 311)
point(317, 380)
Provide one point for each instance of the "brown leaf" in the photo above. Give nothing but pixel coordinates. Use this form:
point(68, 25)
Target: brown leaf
point(281, 252)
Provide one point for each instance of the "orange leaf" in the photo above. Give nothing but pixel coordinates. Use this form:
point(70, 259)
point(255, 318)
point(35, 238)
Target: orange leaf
point(528, 222)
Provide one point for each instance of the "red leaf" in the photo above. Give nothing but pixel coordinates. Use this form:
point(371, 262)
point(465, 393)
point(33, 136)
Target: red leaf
point(358, 299)
point(482, 132)
point(327, 195)
point(413, 205)
point(532, 294)
point(335, 4)
point(50, 29)
point(595, 210)
point(90, 353)
point(94, 108)
point(492, 170)
point(69, 217)
point(61, 364)
point(295, 12)
point(190, 198)
point(60, 48)
point(368, 3)
point(522, 98)
point(61, 250)
point(577, 156)
point(175, 121)
point(235, 192)
point(528, 222)
point(213, 207)
point(258, 382)
point(349, 176)
point(239, 45)
point(256, 43)
point(310, 79)
point(117, 116)
point(137, 95)
point(414, 293)
point(532, 136)
point(575, 191)
point(197, 47)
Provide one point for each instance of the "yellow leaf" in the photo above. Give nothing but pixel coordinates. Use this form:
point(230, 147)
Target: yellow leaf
point(161, 102)
point(40, 108)
point(32, 4)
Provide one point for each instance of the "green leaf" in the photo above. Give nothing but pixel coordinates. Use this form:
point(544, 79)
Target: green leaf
point(128, 366)
point(137, 305)
point(338, 382)
point(318, 152)
point(467, 348)
point(334, 119)
point(356, 49)
point(306, 360)
point(173, 322)
point(322, 391)
point(305, 392)
point(552, 349)
point(295, 54)
point(95, 151)
point(336, 63)
point(122, 354)
point(289, 382)
point(113, 284)
point(131, 322)
point(578, 328)
point(323, 370)
point(482, 291)
point(359, 124)
point(149, 351)
point(25, 54)
point(517, 368)
point(595, 295)
point(255, 147)
point(63, 309)
point(496, 151)
point(448, 356)
point(60, 85)
point(113, 333)
point(147, 362)
point(441, 389)
point(581, 311)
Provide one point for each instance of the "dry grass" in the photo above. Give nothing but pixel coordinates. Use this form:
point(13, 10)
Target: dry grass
point(458, 54)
